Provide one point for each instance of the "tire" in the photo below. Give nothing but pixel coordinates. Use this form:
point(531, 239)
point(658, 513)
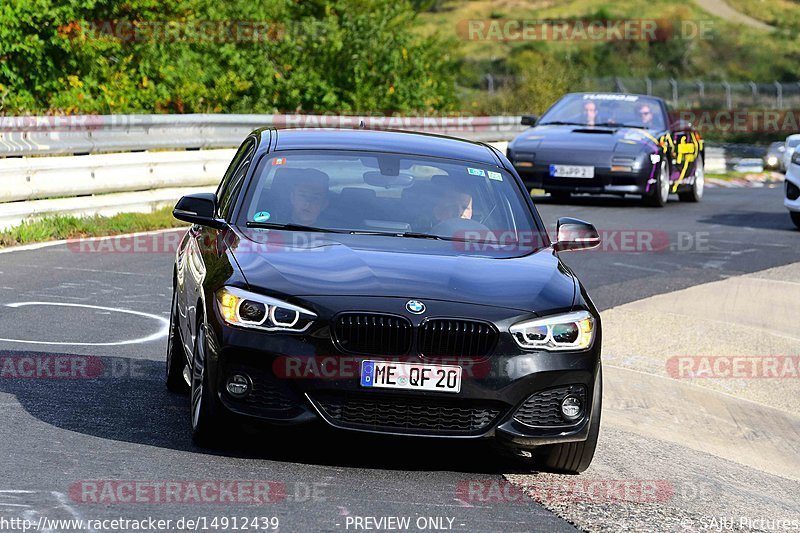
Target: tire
point(795, 218)
point(695, 194)
point(205, 413)
point(659, 197)
point(176, 360)
point(574, 457)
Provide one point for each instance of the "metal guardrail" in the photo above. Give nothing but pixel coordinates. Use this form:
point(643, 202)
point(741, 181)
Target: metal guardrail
point(34, 178)
point(91, 134)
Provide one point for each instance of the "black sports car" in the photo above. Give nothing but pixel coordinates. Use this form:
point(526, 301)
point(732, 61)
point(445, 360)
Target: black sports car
point(608, 143)
point(384, 282)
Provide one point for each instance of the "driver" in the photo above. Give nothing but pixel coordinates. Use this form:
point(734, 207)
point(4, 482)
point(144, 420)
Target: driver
point(309, 197)
point(452, 203)
point(590, 113)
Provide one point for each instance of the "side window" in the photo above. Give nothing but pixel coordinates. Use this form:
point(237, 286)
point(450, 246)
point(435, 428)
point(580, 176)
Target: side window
point(232, 182)
point(226, 178)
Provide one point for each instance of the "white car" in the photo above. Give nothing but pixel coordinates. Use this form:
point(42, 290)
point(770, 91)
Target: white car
point(791, 145)
point(792, 189)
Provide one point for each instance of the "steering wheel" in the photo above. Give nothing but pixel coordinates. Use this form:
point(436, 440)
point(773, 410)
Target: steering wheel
point(451, 226)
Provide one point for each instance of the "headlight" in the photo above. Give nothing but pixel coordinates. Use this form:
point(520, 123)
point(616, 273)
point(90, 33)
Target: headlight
point(796, 158)
point(246, 309)
point(571, 331)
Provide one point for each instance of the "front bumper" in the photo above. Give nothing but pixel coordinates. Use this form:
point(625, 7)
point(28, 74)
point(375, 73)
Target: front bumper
point(791, 189)
point(305, 378)
point(605, 181)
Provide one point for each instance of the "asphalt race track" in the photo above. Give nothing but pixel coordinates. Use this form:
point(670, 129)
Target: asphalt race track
point(66, 435)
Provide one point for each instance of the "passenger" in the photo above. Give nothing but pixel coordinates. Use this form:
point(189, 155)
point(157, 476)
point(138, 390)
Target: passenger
point(645, 115)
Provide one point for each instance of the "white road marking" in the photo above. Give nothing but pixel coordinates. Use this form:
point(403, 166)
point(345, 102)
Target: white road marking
point(635, 267)
point(768, 280)
point(48, 244)
point(64, 503)
point(105, 271)
point(155, 336)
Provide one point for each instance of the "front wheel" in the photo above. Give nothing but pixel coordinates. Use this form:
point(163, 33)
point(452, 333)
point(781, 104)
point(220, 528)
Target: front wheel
point(695, 194)
point(206, 419)
point(574, 457)
point(176, 360)
point(795, 218)
point(659, 197)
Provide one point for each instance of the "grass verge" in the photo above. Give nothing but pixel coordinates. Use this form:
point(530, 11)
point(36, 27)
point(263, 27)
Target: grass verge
point(54, 227)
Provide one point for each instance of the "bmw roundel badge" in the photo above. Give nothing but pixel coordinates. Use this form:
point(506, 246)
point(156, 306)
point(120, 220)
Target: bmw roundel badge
point(415, 306)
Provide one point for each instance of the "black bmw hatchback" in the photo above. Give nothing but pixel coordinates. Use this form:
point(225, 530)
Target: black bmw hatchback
point(384, 282)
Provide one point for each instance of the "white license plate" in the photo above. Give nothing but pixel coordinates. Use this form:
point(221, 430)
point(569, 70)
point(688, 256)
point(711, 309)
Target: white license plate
point(571, 171)
point(409, 376)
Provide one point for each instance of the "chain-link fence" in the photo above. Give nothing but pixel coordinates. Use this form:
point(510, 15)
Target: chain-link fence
point(700, 94)
point(685, 94)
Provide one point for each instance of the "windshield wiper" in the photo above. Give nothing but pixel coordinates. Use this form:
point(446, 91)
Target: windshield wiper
point(291, 227)
point(618, 125)
point(560, 123)
point(407, 234)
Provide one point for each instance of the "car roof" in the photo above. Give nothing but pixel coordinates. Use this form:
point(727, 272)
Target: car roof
point(793, 136)
point(401, 142)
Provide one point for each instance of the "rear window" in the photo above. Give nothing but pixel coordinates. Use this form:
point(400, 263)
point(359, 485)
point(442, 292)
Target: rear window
point(388, 193)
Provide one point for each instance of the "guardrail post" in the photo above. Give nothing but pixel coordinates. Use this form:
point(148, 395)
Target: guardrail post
point(674, 83)
point(728, 99)
point(779, 95)
point(649, 83)
point(754, 90)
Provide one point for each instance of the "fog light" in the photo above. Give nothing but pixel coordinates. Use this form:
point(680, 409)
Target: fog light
point(571, 408)
point(238, 385)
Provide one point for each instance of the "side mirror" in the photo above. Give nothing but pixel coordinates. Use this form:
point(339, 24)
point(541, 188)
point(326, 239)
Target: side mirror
point(198, 209)
point(529, 120)
point(574, 234)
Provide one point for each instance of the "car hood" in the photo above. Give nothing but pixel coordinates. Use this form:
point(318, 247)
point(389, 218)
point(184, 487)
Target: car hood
point(584, 138)
point(322, 264)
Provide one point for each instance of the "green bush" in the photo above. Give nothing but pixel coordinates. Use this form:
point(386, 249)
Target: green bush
point(318, 56)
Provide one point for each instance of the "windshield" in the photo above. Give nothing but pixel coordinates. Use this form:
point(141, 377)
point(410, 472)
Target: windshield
point(388, 194)
point(606, 109)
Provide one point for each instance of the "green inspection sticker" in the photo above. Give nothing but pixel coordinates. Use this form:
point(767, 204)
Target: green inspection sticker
point(476, 171)
point(495, 176)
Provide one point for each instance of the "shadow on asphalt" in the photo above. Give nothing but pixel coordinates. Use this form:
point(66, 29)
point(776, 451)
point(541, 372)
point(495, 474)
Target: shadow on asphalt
point(595, 201)
point(752, 219)
point(129, 402)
